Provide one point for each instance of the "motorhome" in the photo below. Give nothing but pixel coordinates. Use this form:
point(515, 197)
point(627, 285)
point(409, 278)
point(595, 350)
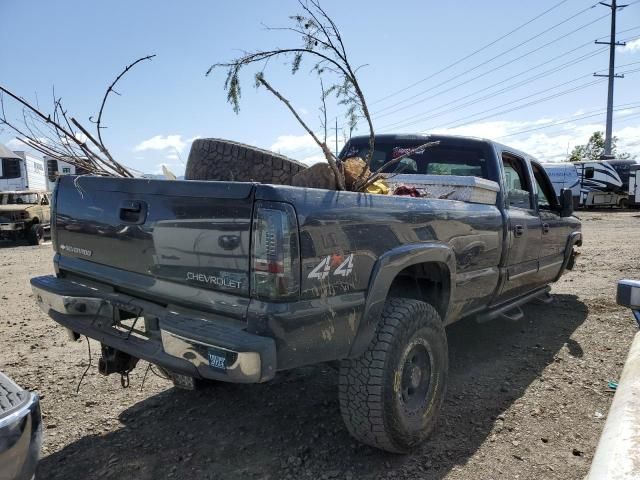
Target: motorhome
point(634, 186)
point(604, 182)
point(20, 171)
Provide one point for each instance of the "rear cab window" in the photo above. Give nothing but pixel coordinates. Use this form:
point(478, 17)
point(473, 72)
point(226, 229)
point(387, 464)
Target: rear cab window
point(450, 157)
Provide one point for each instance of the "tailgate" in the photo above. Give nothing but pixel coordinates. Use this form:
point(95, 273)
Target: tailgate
point(195, 233)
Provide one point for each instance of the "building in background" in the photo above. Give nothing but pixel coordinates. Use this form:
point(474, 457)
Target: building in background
point(21, 171)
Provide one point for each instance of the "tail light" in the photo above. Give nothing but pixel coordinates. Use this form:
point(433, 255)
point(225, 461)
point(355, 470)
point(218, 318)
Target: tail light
point(275, 256)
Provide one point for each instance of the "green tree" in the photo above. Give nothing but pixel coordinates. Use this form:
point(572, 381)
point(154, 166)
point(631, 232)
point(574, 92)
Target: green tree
point(594, 149)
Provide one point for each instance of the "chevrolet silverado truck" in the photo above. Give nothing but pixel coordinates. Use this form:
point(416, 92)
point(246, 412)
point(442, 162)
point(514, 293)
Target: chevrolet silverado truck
point(24, 214)
point(236, 281)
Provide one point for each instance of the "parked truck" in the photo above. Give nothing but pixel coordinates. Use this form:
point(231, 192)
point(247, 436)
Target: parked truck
point(20, 171)
point(234, 282)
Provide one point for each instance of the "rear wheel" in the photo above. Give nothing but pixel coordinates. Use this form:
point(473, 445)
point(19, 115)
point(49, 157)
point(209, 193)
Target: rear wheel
point(217, 159)
point(623, 203)
point(390, 397)
point(35, 236)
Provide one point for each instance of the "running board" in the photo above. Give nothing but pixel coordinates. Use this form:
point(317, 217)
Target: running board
point(544, 298)
point(505, 310)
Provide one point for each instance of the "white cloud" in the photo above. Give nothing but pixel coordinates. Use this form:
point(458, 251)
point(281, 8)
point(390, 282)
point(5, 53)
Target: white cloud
point(303, 148)
point(631, 47)
point(15, 144)
point(160, 142)
point(553, 145)
point(290, 143)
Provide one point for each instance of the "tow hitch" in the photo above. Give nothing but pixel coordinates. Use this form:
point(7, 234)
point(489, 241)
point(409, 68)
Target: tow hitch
point(116, 361)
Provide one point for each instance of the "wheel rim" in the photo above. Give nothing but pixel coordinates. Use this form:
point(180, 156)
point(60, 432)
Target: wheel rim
point(416, 378)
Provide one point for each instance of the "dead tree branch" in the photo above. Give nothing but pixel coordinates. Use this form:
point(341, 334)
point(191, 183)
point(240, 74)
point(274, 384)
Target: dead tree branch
point(110, 90)
point(62, 137)
point(323, 145)
point(322, 42)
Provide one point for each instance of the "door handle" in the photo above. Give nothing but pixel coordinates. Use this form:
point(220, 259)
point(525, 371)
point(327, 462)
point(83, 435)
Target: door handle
point(545, 228)
point(518, 230)
point(133, 212)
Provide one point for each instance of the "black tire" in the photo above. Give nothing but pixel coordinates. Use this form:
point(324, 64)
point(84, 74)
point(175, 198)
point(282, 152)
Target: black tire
point(623, 203)
point(376, 401)
point(35, 236)
point(217, 159)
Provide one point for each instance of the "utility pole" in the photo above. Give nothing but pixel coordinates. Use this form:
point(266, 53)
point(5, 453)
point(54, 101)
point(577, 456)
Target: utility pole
point(612, 75)
point(336, 137)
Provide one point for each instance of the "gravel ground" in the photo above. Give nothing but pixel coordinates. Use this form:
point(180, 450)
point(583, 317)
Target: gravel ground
point(526, 400)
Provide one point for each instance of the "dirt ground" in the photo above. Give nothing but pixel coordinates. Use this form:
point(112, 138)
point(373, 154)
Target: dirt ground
point(526, 400)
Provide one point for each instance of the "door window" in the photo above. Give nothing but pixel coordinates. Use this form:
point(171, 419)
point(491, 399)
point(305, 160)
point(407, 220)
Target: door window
point(546, 196)
point(517, 192)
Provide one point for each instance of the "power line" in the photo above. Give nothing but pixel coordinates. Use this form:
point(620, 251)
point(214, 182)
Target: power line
point(470, 55)
point(571, 120)
point(435, 111)
point(535, 102)
point(488, 72)
point(420, 116)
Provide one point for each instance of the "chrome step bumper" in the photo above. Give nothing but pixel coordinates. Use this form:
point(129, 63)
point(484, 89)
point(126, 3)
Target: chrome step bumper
point(185, 342)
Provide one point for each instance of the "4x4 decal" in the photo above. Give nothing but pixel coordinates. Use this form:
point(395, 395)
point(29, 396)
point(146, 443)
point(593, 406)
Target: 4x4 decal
point(323, 269)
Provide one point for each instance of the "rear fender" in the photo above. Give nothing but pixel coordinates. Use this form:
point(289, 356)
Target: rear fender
point(386, 269)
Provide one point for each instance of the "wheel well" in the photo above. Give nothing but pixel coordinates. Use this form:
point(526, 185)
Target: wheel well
point(34, 220)
point(428, 282)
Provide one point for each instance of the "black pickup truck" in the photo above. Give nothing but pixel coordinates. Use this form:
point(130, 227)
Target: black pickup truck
point(234, 281)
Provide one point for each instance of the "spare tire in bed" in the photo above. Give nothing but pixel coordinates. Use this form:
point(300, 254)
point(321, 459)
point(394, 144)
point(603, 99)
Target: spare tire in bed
point(218, 159)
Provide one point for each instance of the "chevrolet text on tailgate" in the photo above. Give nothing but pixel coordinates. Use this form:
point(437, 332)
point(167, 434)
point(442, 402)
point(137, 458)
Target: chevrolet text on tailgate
point(236, 281)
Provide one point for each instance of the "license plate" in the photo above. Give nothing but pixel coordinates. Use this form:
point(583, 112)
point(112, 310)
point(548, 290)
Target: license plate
point(217, 359)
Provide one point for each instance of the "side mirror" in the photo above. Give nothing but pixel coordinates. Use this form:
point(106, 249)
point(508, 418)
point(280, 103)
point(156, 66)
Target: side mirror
point(566, 202)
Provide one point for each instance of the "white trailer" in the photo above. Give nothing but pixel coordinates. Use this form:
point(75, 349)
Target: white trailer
point(55, 168)
point(20, 171)
point(564, 175)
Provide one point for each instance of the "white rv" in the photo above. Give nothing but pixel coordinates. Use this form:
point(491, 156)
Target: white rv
point(564, 175)
point(20, 171)
point(604, 182)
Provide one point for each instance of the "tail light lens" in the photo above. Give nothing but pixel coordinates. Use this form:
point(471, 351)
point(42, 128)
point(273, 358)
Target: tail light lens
point(275, 256)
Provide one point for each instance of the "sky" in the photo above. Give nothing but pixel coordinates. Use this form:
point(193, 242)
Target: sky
point(427, 67)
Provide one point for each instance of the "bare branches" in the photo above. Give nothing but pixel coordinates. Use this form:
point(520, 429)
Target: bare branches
point(322, 43)
point(62, 137)
point(323, 145)
point(110, 90)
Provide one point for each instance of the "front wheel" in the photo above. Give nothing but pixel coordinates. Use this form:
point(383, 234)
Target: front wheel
point(390, 397)
point(36, 234)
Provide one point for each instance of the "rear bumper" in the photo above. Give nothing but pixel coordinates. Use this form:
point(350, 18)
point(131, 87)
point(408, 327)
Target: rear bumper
point(20, 431)
point(186, 340)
